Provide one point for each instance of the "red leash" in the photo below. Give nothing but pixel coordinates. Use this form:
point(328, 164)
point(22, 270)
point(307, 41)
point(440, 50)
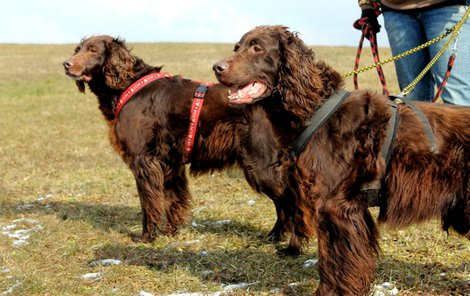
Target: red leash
point(196, 107)
point(368, 33)
point(450, 64)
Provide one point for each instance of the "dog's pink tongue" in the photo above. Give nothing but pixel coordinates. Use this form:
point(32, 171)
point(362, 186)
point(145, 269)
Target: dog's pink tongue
point(246, 94)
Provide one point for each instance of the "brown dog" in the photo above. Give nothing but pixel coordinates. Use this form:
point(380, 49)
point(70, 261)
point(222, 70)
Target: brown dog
point(274, 70)
point(151, 129)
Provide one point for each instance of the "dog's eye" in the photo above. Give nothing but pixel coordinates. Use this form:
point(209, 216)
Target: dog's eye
point(77, 49)
point(254, 44)
point(257, 49)
point(92, 50)
point(237, 46)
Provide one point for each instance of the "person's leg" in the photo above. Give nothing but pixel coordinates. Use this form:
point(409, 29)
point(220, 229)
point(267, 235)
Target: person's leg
point(405, 32)
point(436, 22)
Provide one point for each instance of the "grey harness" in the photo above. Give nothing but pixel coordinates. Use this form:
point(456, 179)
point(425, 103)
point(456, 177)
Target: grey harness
point(373, 190)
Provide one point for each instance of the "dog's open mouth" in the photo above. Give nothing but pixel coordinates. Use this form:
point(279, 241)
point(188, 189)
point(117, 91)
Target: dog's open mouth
point(246, 94)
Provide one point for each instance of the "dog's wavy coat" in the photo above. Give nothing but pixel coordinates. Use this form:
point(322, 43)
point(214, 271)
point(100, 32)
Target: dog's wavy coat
point(273, 69)
point(150, 131)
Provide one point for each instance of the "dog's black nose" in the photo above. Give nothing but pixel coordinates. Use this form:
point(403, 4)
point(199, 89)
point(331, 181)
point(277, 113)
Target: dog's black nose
point(220, 67)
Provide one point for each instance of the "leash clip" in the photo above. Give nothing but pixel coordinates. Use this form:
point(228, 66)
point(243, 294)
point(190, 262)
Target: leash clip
point(454, 48)
point(400, 98)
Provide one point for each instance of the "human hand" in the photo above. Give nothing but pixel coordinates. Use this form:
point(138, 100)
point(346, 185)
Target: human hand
point(368, 22)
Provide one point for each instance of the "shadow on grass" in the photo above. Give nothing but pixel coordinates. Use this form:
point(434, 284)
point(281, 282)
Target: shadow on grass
point(101, 217)
point(245, 264)
point(123, 218)
point(269, 271)
point(425, 278)
point(219, 266)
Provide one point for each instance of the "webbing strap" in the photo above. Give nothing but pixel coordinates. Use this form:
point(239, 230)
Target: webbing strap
point(424, 121)
point(373, 190)
point(196, 107)
point(322, 114)
point(391, 132)
point(135, 87)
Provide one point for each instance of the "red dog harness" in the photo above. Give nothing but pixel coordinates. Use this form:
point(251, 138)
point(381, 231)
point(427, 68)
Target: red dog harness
point(196, 107)
point(135, 87)
point(198, 100)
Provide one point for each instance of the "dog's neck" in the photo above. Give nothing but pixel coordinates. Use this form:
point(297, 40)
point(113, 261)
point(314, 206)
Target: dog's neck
point(285, 113)
point(108, 96)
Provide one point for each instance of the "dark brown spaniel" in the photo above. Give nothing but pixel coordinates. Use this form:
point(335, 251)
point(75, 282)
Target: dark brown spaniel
point(273, 69)
point(151, 128)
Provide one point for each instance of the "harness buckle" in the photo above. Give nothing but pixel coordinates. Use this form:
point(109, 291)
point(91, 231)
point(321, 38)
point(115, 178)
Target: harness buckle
point(200, 91)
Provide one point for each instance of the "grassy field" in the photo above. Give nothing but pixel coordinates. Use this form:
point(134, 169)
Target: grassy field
point(67, 201)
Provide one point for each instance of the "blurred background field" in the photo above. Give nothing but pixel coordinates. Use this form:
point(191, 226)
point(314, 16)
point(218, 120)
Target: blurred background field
point(68, 201)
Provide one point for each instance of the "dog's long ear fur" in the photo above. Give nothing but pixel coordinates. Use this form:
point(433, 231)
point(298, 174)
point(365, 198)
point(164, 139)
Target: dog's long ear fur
point(119, 65)
point(81, 86)
point(303, 83)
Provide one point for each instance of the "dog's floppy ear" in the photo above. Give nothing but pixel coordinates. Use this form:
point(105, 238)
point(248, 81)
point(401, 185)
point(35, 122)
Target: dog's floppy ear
point(81, 86)
point(297, 77)
point(295, 57)
point(118, 66)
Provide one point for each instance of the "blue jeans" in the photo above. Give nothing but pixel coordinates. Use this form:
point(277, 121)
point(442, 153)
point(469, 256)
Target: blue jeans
point(408, 30)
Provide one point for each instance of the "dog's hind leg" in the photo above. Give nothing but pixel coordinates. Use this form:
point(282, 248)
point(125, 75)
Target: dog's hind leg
point(456, 211)
point(178, 199)
point(347, 247)
point(149, 176)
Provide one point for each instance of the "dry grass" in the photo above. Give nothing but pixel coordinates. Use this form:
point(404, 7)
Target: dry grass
point(58, 169)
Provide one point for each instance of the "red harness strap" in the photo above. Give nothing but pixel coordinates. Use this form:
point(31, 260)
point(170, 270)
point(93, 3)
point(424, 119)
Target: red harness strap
point(135, 87)
point(196, 107)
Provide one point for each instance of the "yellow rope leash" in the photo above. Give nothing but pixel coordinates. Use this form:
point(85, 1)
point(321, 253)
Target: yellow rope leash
point(455, 33)
point(455, 30)
point(399, 56)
